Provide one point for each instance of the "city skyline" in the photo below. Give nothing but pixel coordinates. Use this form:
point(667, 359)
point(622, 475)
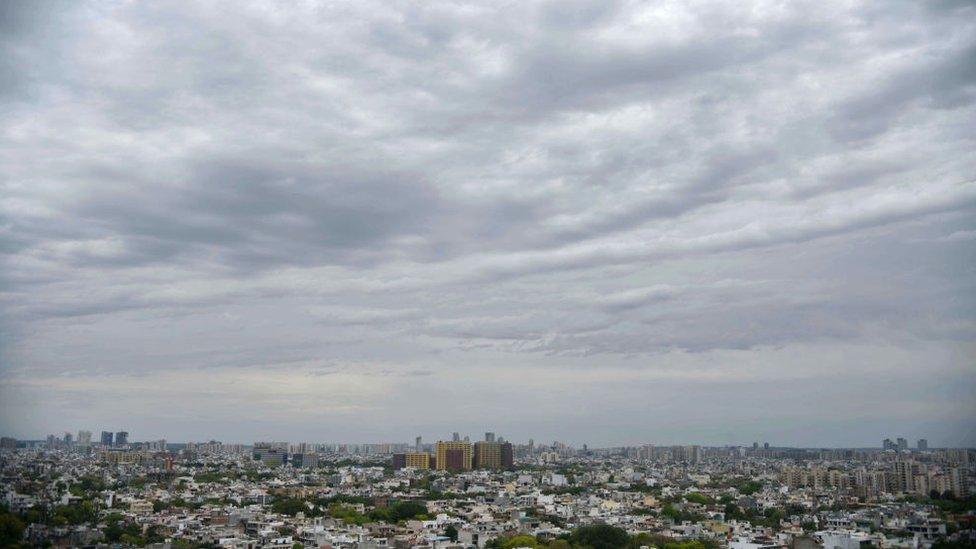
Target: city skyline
point(592, 221)
point(899, 443)
point(489, 494)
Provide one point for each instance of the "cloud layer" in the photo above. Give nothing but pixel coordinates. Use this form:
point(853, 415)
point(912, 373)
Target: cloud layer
point(302, 220)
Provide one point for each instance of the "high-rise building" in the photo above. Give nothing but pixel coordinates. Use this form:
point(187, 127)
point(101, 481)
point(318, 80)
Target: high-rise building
point(419, 445)
point(508, 456)
point(106, 438)
point(902, 443)
point(121, 438)
point(453, 456)
point(487, 455)
point(84, 437)
point(454, 460)
point(957, 479)
point(456, 437)
point(904, 476)
point(887, 444)
point(489, 437)
point(415, 460)
point(923, 444)
point(271, 454)
point(304, 460)
point(418, 460)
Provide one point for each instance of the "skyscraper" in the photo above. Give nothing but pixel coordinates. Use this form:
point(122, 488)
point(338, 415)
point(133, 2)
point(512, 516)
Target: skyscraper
point(489, 437)
point(453, 456)
point(456, 437)
point(923, 444)
point(419, 445)
point(508, 456)
point(106, 438)
point(902, 443)
point(904, 475)
point(84, 437)
point(121, 438)
point(487, 455)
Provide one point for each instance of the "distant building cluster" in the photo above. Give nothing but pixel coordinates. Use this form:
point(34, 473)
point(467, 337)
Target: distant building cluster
point(902, 476)
point(459, 494)
point(901, 444)
point(459, 455)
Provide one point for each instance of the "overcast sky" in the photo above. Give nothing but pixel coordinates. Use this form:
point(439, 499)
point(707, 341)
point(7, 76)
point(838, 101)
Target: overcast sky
point(600, 222)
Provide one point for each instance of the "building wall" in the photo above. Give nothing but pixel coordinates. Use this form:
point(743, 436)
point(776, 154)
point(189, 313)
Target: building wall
point(454, 455)
point(487, 455)
point(417, 460)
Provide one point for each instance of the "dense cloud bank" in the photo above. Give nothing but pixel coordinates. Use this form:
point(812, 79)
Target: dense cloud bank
point(559, 216)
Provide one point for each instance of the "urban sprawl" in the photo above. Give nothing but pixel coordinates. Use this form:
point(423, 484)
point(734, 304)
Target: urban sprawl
point(76, 491)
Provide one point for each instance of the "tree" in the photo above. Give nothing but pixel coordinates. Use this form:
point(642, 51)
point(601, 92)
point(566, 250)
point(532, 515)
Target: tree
point(288, 506)
point(346, 514)
point(451, 532)
point(688, 544)
point(523, 540)
point(749, 487)
point(600, 537)
point(11, 530)
point(698, 497)
point(649, 540)
point(404, 510)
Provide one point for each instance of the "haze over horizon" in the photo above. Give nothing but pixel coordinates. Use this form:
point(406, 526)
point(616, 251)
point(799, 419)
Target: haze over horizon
point(589, 221)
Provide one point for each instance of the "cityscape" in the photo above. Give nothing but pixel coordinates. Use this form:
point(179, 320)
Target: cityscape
point(78, 490)
point(488, 274)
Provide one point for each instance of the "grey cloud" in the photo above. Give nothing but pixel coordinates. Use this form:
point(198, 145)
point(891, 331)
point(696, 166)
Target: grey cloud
point(945, 80)
point(436, 192)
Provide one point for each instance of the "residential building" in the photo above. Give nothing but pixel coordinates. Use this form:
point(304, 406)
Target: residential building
point(487, 455)
point(454, 455)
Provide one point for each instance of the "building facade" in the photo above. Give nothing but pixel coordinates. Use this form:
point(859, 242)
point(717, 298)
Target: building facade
point(454, 455)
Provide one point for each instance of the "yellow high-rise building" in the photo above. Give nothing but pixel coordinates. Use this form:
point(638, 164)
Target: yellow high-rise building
point(488, 455)
point(418, 460)
point(454, 455)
